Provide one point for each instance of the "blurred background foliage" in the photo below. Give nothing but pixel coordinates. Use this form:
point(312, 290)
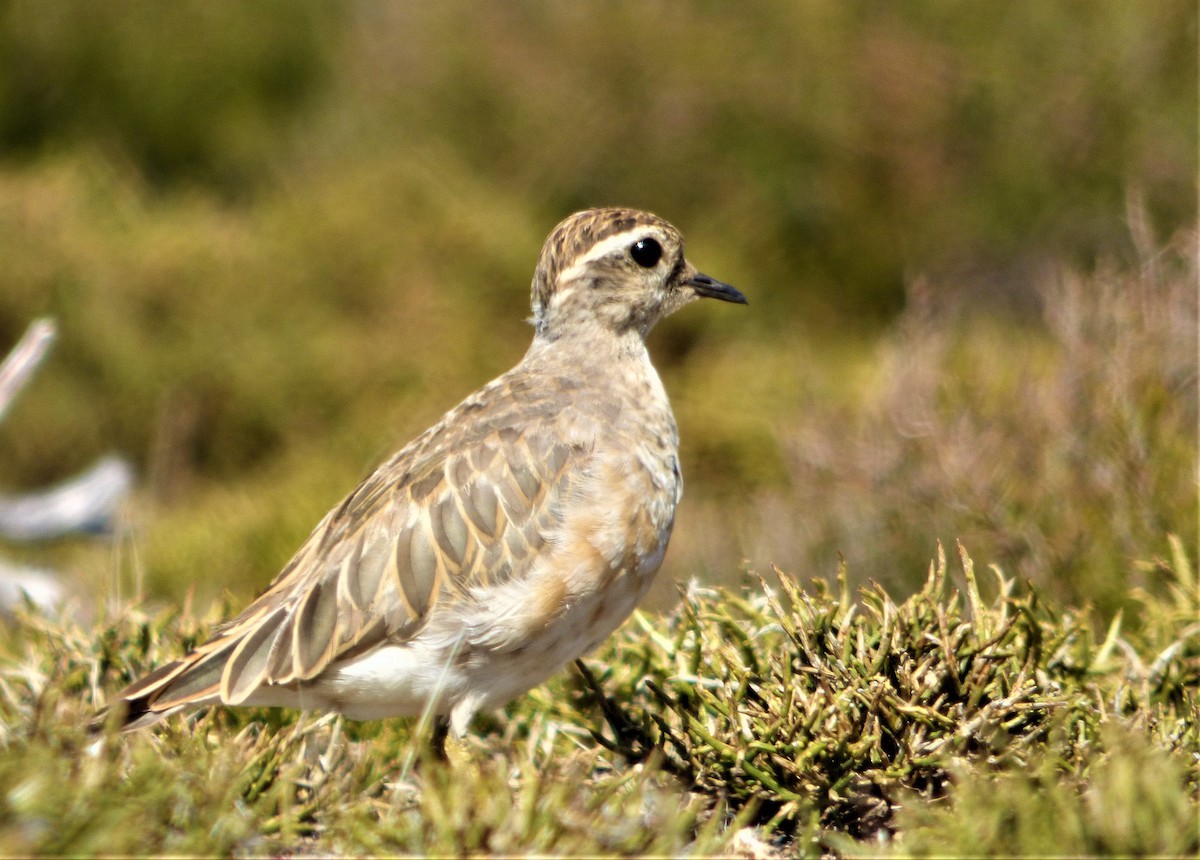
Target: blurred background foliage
point(282, 237)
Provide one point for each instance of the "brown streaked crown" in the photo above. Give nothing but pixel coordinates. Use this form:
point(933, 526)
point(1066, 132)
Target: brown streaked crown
point(575, 236)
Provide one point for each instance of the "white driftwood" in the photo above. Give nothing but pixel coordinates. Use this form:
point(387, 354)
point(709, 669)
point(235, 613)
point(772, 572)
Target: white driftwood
point(23, 360)
point(88, 502)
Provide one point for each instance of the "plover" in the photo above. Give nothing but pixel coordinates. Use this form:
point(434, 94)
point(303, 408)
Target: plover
point(510, 538)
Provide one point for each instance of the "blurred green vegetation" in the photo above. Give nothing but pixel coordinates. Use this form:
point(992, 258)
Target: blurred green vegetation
point(842, 144)
point(186, 93)
point(282, 238)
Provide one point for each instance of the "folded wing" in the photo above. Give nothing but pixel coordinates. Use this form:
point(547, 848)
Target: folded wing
point(427, 527)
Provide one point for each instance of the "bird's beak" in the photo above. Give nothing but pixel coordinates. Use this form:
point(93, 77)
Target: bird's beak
point(713, 289)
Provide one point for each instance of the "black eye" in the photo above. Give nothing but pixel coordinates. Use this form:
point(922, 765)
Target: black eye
point(646, 253)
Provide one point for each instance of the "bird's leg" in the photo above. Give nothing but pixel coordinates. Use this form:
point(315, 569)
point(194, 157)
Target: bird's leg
point(437, 738)
point(419, 753)
point(629, 739)
point(449, 749)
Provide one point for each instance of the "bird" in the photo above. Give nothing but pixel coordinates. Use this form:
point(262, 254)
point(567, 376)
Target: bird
point(510, 538)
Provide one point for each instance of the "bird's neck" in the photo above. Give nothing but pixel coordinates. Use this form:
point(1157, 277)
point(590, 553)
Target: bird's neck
point(587, 345)
point(612, 376)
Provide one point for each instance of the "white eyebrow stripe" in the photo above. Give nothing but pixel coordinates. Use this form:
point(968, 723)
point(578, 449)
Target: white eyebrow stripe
point(603, 248)
point(559, 297)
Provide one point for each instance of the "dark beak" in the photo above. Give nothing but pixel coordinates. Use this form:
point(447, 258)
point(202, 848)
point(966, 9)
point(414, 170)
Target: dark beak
point(711, 288)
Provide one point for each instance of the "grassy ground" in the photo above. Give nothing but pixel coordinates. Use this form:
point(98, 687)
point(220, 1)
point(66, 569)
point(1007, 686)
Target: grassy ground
point(281, 239)
point(789, 720)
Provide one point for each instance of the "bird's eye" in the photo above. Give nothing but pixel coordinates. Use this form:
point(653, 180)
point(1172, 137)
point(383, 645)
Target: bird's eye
point(646, 253)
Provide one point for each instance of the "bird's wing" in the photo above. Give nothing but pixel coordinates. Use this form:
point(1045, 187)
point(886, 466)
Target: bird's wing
point(446, 514)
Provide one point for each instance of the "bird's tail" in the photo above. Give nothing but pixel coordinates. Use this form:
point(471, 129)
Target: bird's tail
point(187, 682)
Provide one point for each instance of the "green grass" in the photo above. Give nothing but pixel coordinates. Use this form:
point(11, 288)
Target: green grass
point(812, 720)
